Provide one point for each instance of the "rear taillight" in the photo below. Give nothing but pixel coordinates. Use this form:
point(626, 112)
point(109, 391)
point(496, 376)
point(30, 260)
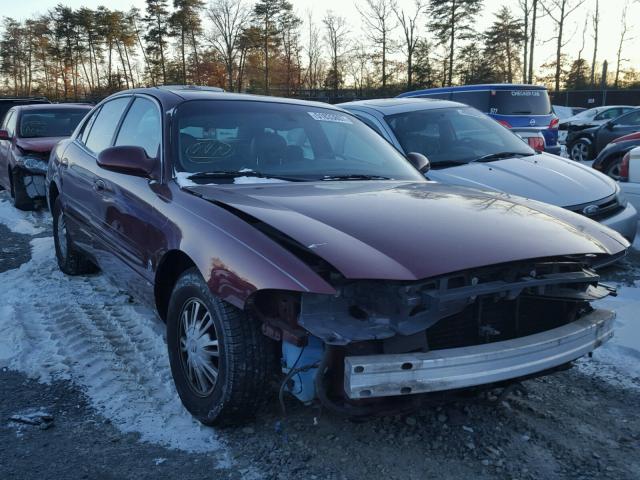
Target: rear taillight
point(504, 123)
point(537, 143)
point(624, 168)
point(554, 122)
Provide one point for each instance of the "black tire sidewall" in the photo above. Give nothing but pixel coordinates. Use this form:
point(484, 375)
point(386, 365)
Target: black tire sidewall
point(207, 408)
point(19, 196)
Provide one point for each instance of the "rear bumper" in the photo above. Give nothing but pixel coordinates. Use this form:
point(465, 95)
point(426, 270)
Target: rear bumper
point(438, 370)
point(625, 222)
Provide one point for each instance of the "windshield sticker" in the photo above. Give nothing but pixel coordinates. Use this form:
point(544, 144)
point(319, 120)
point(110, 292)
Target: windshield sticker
point(525, 93)
point(330, 117)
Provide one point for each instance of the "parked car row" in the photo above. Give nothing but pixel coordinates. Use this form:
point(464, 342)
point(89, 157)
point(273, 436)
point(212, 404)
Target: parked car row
point(590, 118)
point(586, 144)
point(292, 238)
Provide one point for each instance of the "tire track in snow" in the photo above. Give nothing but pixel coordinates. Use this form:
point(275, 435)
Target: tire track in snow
point(83, 329)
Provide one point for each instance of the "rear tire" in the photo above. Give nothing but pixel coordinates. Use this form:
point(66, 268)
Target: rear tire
point(613, 169)
point(227, 348)
point(70, 260)
point(19, 196)
point(580, 150)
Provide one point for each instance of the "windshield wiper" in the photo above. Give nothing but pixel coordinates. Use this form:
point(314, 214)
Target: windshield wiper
point(354, 176)
point(500, 155)
point(241, 173)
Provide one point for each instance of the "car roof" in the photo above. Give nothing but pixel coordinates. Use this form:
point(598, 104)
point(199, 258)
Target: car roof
point(391, 106)
point(171, 95)
point(53, 106)
point(472, 88)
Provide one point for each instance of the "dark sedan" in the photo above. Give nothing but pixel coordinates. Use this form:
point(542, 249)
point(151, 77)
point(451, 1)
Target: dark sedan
point(609, 159)
point(588, 143)
point(285, 237)
point(27, 136)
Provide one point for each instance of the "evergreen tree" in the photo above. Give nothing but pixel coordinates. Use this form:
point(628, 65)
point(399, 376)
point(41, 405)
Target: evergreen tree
point(156, 36)
point(503, 44)
point(452, 21)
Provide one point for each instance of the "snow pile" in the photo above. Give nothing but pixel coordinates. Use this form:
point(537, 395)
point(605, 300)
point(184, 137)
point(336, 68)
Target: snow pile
point(81, 328)
point(618, 361)
point(18, 221)
point(183, 180)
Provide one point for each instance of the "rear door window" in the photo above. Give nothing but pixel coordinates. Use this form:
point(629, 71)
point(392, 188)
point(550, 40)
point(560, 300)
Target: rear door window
point(105, 124)
point(478, 99)
point(519, 102)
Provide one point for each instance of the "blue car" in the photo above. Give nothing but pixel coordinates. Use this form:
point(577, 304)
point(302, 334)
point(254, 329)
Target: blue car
point(522, 108)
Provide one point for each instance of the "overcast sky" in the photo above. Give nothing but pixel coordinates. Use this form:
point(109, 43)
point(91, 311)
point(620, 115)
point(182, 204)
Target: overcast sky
point(610, 11)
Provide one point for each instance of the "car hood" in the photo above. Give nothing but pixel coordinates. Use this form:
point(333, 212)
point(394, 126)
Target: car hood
point(409, 231)
point(40, 145)
point(543, 177)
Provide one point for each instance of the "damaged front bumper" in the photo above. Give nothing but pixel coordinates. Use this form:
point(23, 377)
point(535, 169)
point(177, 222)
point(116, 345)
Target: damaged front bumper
point(437, 370)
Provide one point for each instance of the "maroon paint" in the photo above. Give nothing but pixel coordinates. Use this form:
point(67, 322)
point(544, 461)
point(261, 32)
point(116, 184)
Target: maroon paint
point(373, 229)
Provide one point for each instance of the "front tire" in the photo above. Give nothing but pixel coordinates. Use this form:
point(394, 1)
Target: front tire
point(613, 169)
point(19, 195)
point(220, 360)
point(580, 150)
point(70, 260)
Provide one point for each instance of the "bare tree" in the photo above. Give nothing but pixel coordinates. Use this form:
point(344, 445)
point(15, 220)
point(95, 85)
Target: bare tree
point(526, 13)
point(558, 11)
point(336, 34)
point(229, 19)
point(595, 19)
point(623, 35)
point(532, 38)
point(314, 54)
point(409, 24)
point(379, 23)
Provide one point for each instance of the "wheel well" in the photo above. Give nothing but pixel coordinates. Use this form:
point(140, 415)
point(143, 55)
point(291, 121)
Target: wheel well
point(53, 195)
point(172, 265)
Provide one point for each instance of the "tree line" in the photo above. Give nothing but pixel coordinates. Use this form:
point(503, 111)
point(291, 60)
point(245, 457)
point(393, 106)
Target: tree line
point(265, 46)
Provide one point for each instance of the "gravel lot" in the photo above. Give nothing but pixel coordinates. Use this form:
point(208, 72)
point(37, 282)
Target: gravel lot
point(80, 351)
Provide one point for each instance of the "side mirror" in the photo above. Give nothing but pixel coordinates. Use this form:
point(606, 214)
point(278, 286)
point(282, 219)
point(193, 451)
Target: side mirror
point(419, 161)
point(127, 159)
point(4, 135)
point(610, 124)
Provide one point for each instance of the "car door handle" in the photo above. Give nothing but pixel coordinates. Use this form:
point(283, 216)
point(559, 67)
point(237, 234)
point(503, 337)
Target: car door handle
point(100, 186)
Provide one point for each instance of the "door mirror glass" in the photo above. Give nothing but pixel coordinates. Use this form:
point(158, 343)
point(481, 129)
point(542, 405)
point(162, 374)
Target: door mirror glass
point(130, 160)
point(419, 161)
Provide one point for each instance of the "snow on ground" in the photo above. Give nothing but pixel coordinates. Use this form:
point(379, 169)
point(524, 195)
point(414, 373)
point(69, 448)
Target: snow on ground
point(18, 221)
point(618, 361)
point(83, 329)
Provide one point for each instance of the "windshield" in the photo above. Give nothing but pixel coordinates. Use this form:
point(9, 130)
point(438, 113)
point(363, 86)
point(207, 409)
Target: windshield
point(519, 102)
point(454, 135)
point(298, 142)
point(50, 123)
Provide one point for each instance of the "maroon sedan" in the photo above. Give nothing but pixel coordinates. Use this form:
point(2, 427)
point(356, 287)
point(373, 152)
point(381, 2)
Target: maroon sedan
point(28, 134)
point(285, 237)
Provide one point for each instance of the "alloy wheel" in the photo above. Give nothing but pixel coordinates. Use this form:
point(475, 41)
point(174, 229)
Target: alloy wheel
point(580, 152)
point(199, 347)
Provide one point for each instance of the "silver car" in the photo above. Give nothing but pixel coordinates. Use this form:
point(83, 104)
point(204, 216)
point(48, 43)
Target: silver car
point(466, 147)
